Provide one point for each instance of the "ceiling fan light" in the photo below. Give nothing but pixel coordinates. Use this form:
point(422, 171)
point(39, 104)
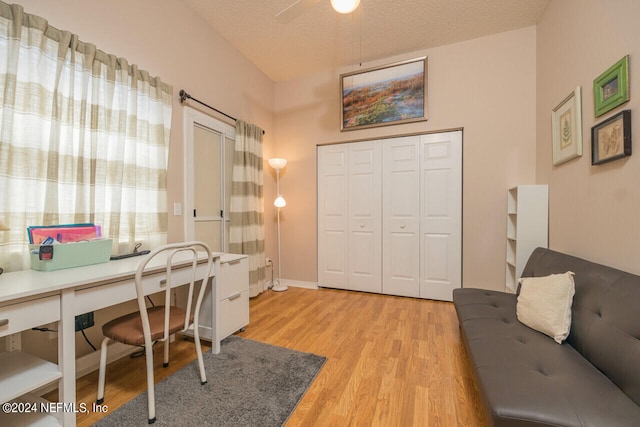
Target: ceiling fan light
point(345, 6)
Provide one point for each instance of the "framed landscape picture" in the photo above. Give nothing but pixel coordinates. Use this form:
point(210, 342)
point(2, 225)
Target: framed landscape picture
point(566, 126)
point(611, 88)
point(381, 96)
point(611, 139)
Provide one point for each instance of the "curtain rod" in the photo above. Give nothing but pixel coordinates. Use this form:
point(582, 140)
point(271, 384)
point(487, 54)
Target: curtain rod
point(184, 96)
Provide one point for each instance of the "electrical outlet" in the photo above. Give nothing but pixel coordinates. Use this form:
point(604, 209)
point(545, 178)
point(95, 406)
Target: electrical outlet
point(84, 321)
point(177, 209)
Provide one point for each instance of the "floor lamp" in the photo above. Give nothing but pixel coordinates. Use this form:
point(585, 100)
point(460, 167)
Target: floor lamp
point(279, 203)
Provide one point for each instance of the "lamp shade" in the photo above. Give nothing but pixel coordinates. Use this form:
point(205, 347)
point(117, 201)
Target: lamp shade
point(345, 6)
point(279, 202)
point(277, 163)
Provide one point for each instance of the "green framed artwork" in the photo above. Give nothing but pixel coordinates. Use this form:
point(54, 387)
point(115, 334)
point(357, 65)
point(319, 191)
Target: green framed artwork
point(611, 88)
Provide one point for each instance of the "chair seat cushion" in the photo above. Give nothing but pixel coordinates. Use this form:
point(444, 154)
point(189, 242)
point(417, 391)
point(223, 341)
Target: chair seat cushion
point(128, 329)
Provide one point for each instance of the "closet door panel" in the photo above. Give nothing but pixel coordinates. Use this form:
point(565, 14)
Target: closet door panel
point(441, 215)
point(364, 198)
point(438, 198)
point(332, 216)
point(436, 257)
point(401, 219)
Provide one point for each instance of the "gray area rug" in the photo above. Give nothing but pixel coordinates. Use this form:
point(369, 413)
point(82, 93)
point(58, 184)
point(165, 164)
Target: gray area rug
point(248, 384)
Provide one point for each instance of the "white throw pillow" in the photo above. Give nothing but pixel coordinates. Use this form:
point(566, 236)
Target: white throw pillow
point(544, 304)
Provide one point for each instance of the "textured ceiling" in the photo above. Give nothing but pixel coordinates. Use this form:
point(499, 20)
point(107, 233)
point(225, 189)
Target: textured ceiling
point(320, 38)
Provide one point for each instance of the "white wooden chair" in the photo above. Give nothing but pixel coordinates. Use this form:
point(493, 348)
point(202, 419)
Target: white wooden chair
point(160, 322)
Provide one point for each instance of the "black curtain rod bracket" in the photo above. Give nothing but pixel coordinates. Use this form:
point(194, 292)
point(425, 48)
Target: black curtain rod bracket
point(184, 96)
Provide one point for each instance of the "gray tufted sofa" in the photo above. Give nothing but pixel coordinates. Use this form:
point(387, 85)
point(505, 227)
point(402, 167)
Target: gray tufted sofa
point(527, 379)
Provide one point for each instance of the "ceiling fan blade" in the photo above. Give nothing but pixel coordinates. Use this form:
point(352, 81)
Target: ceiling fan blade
point(296, 9)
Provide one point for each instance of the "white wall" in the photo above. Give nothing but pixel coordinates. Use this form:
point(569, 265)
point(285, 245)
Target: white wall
point(594, 210)
point(486, 86)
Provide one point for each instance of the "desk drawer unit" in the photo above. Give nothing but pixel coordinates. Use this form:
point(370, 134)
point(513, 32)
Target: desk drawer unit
point(28, 314)
point(233, 294)
point(233, 297)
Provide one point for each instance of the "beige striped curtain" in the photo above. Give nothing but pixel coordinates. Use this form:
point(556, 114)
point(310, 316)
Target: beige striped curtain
point(246, 234)
point(84, 137)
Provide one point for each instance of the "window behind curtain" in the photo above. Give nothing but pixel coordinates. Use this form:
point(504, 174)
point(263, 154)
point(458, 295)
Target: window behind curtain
point(84, 137)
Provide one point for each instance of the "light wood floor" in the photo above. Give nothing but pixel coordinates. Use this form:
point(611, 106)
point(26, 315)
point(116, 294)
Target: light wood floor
point(391, 361)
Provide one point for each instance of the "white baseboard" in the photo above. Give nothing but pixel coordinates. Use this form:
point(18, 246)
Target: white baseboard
point(287, 282)
point(300, 284)
point(91, 362)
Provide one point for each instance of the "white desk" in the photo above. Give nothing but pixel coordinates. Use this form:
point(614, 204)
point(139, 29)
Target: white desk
point(31, 298)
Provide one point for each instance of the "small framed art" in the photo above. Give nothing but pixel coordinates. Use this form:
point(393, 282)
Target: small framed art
point(387, 95)
point(611, 139)
point(566, 126)
point(611, 88)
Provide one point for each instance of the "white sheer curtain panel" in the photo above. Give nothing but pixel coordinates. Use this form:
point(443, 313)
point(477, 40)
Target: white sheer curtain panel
point(246, 235)
point(84, 137)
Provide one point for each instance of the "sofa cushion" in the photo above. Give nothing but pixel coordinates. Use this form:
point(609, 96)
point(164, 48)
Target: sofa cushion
point(544, 304)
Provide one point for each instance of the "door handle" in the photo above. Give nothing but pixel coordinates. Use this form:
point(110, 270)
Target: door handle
point(234, 296)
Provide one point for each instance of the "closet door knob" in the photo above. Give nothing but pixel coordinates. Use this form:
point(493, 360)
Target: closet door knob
point(402, 226)
point(361, 225)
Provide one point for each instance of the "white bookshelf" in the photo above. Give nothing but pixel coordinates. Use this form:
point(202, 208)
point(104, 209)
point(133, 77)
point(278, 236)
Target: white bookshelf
point(23, 375)
point(527, 228)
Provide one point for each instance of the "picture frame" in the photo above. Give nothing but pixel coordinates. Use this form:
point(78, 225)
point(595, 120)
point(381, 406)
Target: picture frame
point(382, 96)
point(611, 88)
point(611, 139)
point(566, 127)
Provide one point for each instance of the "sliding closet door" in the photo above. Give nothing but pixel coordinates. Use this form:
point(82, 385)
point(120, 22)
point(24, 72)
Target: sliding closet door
point(401, 216)
point(365, 216)
point(441, 215)
point(332, 216)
